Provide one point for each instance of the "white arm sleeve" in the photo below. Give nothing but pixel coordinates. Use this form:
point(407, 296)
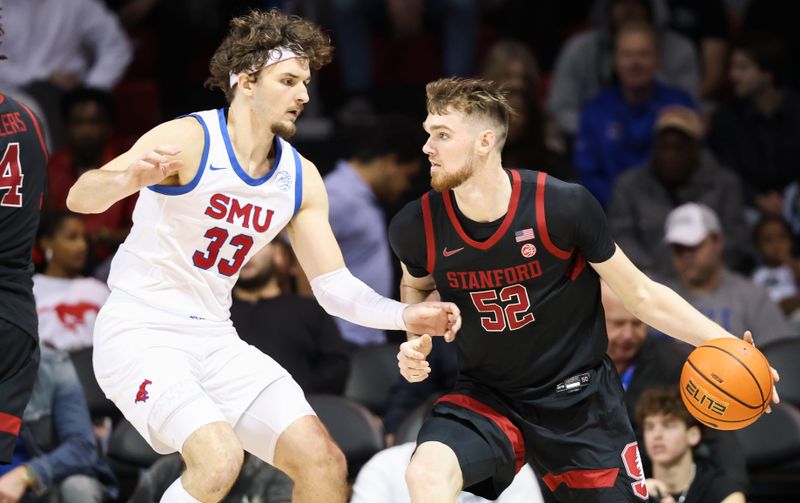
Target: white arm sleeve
point(342, 294)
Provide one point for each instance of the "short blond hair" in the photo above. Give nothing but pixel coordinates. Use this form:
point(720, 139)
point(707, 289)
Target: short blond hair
point(475, 98)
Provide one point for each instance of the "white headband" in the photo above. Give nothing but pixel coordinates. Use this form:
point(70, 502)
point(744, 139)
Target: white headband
point(275, 55)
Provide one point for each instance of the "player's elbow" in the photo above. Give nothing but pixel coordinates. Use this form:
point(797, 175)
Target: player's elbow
point(78, 204)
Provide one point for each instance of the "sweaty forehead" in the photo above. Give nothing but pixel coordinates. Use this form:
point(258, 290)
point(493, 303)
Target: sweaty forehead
point(451, 120)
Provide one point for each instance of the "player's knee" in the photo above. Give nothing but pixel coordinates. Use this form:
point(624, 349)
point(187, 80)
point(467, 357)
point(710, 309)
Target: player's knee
point(306, 449)
point(213, 458)
point(433, 470)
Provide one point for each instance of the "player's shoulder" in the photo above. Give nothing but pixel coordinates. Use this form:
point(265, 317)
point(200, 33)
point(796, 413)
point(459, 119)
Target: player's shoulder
point(555, 187)
point(410, 214)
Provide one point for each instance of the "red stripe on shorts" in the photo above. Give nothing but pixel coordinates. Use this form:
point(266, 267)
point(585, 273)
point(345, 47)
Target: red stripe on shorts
point(502, 422)
point(9, 424)
point(582, 479)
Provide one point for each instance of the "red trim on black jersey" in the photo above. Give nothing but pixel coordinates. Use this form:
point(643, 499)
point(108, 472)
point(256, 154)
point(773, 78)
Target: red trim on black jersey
point(582, 479)
point(2, 98)
point(577, 267)
point(9, 424)
point(38, 131)
point(541, 220)
point(506, 426)
point(516, 183)
point(429, 236)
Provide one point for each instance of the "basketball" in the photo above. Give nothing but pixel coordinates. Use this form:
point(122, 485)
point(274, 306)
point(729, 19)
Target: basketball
point(726, 383)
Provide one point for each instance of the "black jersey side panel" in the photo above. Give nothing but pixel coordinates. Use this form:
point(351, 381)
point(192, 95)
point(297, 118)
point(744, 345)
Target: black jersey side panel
point(23, 168)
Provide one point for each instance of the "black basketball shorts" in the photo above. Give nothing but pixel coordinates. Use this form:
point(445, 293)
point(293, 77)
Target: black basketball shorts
point(19, 363)
point(586, 452)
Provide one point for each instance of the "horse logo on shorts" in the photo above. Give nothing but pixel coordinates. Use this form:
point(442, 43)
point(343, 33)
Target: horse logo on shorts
point(141, 395)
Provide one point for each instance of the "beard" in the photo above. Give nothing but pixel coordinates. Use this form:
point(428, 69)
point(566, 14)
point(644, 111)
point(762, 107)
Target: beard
point(448, 181)
point(256, 281)
point(284, 129)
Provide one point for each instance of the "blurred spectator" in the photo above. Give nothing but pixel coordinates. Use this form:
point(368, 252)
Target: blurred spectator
point(405, 397)
point(780, 270)
point(533, 141)
point(88, 118)
point(56, 458)
point(295, 331)
point(66, 302)
point(381, 480)
point(586, 65)
point(54, 46)
point(670, 435)
point(766, 16)
point(353, 20)
point(648, 361)
point(616, 126)
point(388, 155)
point(756, 135)
point(258, 482)
point(695, 235)
point(680, 171)
point(705, 23)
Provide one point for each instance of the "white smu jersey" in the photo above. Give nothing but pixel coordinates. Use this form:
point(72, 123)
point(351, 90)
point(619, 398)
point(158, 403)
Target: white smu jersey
point(188, 243)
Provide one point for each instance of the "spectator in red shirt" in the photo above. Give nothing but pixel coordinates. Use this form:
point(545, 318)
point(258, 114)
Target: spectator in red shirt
point(88, 116)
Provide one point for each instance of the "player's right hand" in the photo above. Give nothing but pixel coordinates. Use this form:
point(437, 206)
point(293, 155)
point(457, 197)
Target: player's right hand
point(154, 166)
point(412, 358)
point(434, 318)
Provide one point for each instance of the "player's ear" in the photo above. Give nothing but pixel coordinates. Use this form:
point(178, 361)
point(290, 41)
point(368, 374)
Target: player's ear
point(486, 141)
point(693, 435)
point(246, 84)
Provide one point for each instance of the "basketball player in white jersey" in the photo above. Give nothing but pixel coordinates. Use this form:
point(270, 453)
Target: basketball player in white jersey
point(215, 187)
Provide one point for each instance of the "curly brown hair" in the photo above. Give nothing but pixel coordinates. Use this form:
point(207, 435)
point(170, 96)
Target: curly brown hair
point(663, 401)
point(478, 98)
point(252, 36)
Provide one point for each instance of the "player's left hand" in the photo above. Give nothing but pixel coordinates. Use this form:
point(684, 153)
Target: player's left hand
point(748, 337)
point(435, 318)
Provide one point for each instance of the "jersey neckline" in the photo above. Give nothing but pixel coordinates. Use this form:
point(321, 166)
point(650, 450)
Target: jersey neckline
point(223, 126)
point(509, 217)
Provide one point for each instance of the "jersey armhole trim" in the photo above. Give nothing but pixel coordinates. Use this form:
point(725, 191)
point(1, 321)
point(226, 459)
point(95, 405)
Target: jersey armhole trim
point(38, 131)
point(430, 243)
point(169, 190)
point(541, 220)
point(298, 181)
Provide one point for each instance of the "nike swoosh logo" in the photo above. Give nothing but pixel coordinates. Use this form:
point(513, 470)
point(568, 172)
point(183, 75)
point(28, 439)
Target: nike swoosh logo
point(447, 252)
point(216, 168)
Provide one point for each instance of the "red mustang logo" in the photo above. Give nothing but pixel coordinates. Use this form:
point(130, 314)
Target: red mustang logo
point(141, 395)
point(74, 315)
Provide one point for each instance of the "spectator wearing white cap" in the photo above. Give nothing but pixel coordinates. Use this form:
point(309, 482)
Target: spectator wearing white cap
point(694, 233)
point(680, 171)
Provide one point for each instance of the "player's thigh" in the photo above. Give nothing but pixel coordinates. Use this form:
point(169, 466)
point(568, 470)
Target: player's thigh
point(483, 466)
point(588, 452)
point(280, 421)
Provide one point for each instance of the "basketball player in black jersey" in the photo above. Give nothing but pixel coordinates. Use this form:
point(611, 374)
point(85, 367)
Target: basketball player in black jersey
point(23, 168)
point(521, 254)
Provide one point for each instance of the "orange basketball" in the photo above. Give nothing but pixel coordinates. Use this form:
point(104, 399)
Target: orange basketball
point(726, 383)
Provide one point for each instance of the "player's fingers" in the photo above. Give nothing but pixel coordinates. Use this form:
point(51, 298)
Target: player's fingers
point(154, 157)
point(775, 375)
point(748, 337)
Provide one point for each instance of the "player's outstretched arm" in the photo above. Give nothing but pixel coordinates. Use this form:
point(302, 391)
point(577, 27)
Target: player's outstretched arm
point(169, 152)
point(660, 307)
point(337, 290)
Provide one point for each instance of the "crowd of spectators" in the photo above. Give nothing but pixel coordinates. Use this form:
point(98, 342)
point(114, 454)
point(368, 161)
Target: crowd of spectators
point(682, 118)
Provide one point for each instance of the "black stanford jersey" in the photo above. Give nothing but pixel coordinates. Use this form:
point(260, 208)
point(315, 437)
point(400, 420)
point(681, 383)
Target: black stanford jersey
point(530, 305)
point(23, 170)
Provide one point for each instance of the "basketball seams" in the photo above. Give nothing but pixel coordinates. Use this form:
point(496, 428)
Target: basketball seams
point(701, 374)
point(743, 364)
